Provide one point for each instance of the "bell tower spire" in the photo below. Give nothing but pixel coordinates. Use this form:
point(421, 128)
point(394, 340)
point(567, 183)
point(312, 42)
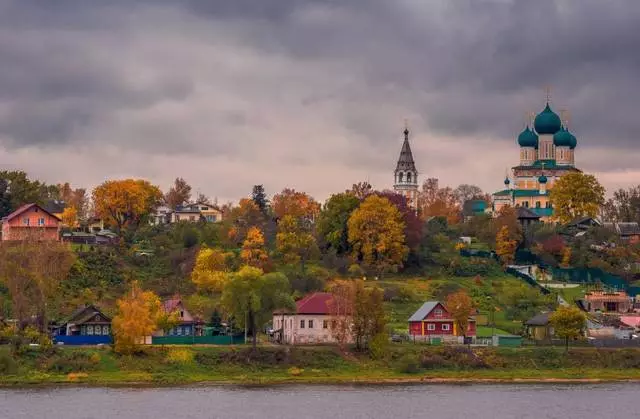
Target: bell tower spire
point(406, 175)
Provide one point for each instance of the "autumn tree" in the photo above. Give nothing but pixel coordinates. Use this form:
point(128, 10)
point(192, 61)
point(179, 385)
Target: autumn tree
point(466, 192)
point(357, 312)
point(412, 224)
point(568, 323)
point(32, 271)
point(242, 218)
point(434, 201)
point(376, 234)
point(505, 247)
point(576, 195)
point(126, 202)
point(139, 314)
point(296, 204)
point(70, 217)
point(461, 307)
point(360, 190)
point(74, 198)
point(212, 269)
point(623, 206)
point(332, 221)
point(179, 194)
point(507, 217)
point(252, 296)
point(295, 242)
point(253, 252)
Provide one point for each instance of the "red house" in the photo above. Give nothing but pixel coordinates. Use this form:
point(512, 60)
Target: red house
point(31, 221)
point(432, 320)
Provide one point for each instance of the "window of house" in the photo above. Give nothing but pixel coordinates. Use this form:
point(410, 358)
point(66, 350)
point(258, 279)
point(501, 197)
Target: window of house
point(40, 221)
point(438, 312)
point(431, 326)
point(83, 330)
point(179, 331)
point(25, 221)
point(310, 324)
point(90, 330)
point(301, 324)
point(105, 330)
point(181, 314)
point(446, 327)
point(325, 324)
point(204, 209)
point(334, 324)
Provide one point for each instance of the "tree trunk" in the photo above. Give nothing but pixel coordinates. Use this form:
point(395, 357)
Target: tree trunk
point(566, 342)
point(254, 332)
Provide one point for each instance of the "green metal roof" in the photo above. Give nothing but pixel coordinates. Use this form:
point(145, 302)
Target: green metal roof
point(548, 164)
point(543, 212)
point(547, 121)
point(528, 138)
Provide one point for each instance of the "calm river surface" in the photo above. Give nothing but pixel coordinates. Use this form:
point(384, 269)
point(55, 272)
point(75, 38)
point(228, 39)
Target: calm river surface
point(610, 401)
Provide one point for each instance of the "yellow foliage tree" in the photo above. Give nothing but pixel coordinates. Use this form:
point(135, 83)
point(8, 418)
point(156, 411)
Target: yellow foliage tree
point(241, 218)
point(125, 202)
point(505, 246)
point(211, 271)
point(566, 257)
point(576, 195)
point(376, 234)
point(253, 252)
point(70, 217)
point(295, 243)
point(139, 313)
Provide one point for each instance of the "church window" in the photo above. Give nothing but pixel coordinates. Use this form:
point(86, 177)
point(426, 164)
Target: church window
point(537, 204)
point(547, 204)
point(409, 177)
point(526, 204)
point(400, 177)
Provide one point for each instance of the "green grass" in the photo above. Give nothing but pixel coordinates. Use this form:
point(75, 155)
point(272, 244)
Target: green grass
point(322, 364)
point(486, 331)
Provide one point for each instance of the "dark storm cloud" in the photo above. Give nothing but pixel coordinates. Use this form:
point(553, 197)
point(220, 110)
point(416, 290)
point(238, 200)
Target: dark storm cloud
point(253, 80)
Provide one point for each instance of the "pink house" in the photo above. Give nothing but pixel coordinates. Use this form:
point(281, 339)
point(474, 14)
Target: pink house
point(31, 221)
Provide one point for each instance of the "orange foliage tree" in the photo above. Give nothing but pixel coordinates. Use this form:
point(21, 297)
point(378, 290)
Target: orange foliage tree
point(125, 202)
point(70, 217)
point(295, 204)
point(242, 217)
point(461, 307)
point(434, 201)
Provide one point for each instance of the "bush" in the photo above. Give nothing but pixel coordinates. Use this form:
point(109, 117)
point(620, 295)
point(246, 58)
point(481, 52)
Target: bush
point(378, 346)
point(355, 271)
point(8, 365)
point(66, 361)
point(410, 365)
point(179, 356)
point(207, 359)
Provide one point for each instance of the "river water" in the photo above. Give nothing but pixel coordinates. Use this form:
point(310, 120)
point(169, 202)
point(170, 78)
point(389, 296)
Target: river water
point(611, 401)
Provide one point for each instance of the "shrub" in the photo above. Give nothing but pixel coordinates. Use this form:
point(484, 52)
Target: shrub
point(355, 271)
point(410, 365)
point(207, 358)
point(8, 365)
point(179, 356)
point(378, 346)
point(66, 362)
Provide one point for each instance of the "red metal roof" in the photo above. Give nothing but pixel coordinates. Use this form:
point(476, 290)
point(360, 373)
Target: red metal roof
point(316, 303)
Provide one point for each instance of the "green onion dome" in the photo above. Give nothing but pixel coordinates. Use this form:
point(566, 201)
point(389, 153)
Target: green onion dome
point(574, 141)
point(528, 138)
point(542, 179)
point(547, 122)
point(562, 138)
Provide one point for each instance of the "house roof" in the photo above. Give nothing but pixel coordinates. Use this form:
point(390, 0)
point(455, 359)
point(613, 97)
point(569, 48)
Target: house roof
point(77, 316)
point(423, 311)
point(628, 229)
point(26, 208)
point(173, 304)
point(526, 213)
point(405, 161)
point(316, 303)
point(54, 206)
point(539, 320)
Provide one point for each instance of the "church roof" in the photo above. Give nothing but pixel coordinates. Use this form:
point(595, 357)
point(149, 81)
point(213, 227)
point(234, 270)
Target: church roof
point(405, 161)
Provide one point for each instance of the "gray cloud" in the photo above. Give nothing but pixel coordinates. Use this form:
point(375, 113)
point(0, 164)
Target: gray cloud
point(279, 90)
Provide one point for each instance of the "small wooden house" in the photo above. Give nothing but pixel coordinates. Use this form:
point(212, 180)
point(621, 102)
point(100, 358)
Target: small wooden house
point(433, 321)
point(188, 325)
point(31, 221)
point(88, 325)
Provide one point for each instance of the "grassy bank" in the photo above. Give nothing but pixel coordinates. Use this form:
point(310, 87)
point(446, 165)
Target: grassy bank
point(275, 365)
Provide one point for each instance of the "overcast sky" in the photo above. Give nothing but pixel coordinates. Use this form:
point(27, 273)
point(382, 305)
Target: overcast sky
point(310, 94)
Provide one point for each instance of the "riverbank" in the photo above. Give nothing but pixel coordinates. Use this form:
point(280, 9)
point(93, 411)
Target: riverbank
point(404, 364)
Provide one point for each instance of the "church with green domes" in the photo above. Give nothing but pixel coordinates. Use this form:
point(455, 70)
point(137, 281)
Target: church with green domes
point(547, 151)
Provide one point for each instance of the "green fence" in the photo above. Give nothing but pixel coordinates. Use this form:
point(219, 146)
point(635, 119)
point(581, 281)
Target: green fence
point(594, 276)
point(197, 340)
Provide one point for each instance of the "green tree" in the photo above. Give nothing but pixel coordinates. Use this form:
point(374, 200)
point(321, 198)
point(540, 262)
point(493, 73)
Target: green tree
point(376, 233)
point(179, 194)
point(252, 295)
point(259, 197)
point(568, 323)
point(295, 243)
point(5, 199)
point(576, 195)
point(332, 222)
point(25, 191)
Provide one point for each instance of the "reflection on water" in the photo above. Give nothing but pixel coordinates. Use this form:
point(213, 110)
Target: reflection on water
point(612, 401)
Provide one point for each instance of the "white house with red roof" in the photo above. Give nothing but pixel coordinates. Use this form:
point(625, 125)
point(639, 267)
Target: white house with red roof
point(31, 221)
point(311, 323)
